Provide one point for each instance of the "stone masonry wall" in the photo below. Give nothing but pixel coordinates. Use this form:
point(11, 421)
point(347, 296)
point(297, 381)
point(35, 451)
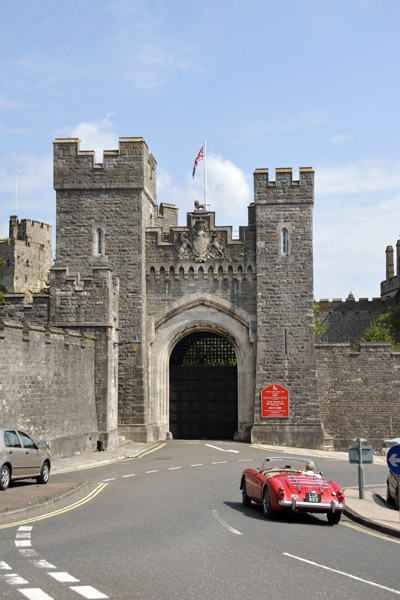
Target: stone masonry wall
point(359, 392)
point(47, 386)
point(347, 320)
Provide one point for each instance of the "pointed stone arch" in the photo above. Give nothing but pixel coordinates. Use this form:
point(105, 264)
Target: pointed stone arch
point(202, 312)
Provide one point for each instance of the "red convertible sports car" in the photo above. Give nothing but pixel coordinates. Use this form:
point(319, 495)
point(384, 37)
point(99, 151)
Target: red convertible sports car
point(294, 484)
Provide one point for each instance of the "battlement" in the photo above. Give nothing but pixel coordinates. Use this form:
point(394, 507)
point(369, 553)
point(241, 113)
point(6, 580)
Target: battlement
point(284, 190)
point(27, 230)
point(129, 167)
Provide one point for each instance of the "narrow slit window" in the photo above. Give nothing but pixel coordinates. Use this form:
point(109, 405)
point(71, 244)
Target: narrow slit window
point(99, 242)
point(285, 242)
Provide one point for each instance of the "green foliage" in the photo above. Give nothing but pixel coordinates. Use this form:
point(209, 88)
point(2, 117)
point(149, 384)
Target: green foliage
point(378, 332)
point(391, 320)
point(319, 326)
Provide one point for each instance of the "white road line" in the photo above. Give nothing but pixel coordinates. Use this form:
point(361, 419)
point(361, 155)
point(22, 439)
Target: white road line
point(198, 465)
point(111, 479)
point(26, 535)
point(173, 468)
point(25, 528)
point(219, 462)
point(245, 460)
point(14, 579)
point(5, 566)
point(35, 594)
point(155, 471)
point(63, 577)
point(43, 564)
point(310, 562)
point(222, 449)
point(231, 529)
point(22, 543)
point(28, 552)
point(87, 591)
point(130, 475)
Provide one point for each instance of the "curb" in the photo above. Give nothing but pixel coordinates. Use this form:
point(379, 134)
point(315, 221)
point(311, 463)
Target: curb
point(375, 525)
point(20, 512)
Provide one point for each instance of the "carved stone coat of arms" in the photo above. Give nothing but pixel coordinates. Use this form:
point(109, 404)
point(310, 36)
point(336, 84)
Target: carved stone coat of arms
point(200, 244)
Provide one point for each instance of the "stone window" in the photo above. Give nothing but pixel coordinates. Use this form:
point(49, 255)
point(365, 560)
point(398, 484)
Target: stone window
point(99, 242)
point(285, 242)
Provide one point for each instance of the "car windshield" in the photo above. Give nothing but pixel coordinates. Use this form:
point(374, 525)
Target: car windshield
point(287, 463)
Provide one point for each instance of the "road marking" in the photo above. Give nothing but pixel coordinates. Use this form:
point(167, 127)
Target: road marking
point(28, 552)
point(22, 543)
point(222, 449)
point(87, 591)
point(14, 579)
point(5, 566)
point(35, 594)
point(222, 522)
point(25, 528)
point(198, 465)
point(219, 462)
point(310, 562)
point(373, 533)
point(148, 452)
point(154, 471)
point(60, 511)
point(43, 564)
point(130, 475)
point(111, 479)
point(173, 468)
point(63, 577)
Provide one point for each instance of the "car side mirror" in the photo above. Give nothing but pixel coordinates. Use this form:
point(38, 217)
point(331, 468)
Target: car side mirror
point(40, 446)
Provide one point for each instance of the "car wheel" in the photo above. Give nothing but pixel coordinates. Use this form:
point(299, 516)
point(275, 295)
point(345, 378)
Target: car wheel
point(44, 473)
point(5, 476)
point(334, 518)
point(246, 500)
point(389, 498)
point(268, 510)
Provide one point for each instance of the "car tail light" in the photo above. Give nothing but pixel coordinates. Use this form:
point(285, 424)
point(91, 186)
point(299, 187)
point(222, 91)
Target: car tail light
point(281, 492)
point(340, 496)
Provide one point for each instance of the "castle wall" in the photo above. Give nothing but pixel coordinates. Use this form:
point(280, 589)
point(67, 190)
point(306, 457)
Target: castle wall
point(359, 392)
point(347, 320)
point(47, 386)
point(19, 308)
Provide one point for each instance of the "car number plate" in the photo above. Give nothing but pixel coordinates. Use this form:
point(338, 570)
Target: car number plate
point(313, 497)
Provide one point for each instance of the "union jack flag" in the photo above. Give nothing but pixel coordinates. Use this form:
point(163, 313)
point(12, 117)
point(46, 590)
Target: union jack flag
point(200, 156)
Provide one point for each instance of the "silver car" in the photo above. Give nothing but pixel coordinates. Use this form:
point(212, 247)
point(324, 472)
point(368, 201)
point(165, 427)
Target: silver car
point(21, 458)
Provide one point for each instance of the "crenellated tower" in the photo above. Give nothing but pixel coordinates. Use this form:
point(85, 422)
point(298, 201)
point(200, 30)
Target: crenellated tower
point(102, 212)
point(285, 335)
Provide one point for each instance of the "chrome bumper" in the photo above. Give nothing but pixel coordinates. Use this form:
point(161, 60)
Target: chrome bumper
point(318, 506)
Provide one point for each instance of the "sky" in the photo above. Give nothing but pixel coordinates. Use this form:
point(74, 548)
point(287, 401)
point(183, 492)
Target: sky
point(268, 84)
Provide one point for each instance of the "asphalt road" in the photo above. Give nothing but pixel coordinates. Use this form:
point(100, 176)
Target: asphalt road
point(170, 526)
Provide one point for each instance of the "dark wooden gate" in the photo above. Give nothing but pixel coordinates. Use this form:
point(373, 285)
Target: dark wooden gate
point(203, 388)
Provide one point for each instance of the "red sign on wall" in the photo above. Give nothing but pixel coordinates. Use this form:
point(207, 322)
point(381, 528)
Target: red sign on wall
point(275, 402)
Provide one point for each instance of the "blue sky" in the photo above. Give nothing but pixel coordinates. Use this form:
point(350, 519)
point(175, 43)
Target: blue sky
point(267, 83)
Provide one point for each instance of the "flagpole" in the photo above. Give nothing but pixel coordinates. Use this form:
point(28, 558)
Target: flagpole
point(205, 176)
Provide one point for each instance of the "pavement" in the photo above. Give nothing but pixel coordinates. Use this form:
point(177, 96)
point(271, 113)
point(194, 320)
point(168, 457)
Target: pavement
point(23, 498)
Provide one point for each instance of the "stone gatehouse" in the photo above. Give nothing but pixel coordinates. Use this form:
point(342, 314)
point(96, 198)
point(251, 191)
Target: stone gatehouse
point(253, 296)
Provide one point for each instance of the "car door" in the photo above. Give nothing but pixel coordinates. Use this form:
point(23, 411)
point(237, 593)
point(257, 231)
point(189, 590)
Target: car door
point(14, 452)
point(31, 455)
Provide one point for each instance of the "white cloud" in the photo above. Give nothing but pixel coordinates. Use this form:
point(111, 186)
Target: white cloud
point(8, 103)
point(341, 137)
point(357, 212)
point(96, 135)
point(228, 190)
point(369, 175)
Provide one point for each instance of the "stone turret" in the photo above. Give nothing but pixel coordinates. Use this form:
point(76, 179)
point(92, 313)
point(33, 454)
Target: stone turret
point(285, 335)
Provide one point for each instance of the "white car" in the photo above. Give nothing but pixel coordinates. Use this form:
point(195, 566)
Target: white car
point(21, 458)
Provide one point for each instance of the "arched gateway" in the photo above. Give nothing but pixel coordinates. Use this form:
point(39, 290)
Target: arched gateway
point(203, 388)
